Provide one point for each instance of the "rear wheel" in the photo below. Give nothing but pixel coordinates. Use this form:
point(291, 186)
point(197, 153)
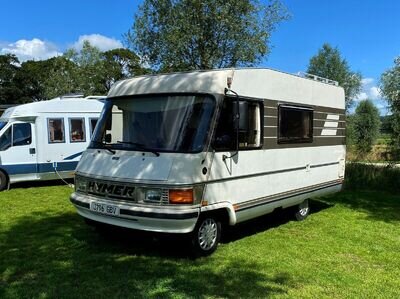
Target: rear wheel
point(206, 236)
point(302, 210)
point(3, 181)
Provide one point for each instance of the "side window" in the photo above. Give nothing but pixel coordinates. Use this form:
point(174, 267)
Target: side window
point(93, 123)
point(22, 134)
point(55, 128)
point(249, 135)
point(5, 140)
point(295, 124)
point(77, 129)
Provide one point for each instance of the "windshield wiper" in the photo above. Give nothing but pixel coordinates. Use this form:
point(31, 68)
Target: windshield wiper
point(140, 146)
point(103, 146)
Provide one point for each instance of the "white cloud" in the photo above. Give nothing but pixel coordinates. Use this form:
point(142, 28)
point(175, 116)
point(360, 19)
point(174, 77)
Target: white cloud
point(369, 90)
point(102, 42)
point(362, 96)
point(34, 49)
point(366, 81)
point(374, 93)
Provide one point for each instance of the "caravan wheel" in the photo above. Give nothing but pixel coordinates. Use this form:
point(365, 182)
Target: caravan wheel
point(3, 181)
point(302, 210)
point(206, 236)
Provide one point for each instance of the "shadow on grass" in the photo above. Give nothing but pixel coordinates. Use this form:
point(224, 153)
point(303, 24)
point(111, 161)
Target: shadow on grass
point(60, 256)
point(277, 218)
point(30, 184)
point(377, 205)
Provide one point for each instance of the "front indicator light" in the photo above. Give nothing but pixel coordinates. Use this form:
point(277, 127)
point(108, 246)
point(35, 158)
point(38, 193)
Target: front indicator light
point(181, 196)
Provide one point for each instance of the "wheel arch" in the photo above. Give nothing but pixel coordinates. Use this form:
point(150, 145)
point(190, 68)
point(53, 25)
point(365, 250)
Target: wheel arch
point(224, 211)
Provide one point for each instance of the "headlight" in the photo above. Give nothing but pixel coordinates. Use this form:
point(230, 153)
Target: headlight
point(80, 184)
point(153, 195)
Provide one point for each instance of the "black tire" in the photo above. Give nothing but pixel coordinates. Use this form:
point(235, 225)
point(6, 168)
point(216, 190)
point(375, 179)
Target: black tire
point(3, 181)
point(302, 211)
point(206, 235)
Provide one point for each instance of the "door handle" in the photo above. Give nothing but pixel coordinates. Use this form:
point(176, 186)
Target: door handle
point(32, 151)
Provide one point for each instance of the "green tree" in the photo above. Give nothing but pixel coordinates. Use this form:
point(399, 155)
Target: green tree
point(328, 63)
point(90, 69)
point(176, 35)
point(10, 90)
point(121, 64)
point(390, 89)
point(63, 78)
point(365, 126)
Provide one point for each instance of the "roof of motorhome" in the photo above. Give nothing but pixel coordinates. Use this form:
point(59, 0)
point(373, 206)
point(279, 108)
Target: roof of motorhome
point(57, 105)
point(250, 82)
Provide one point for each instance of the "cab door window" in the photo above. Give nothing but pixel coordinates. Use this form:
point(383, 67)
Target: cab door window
point(249, 127)
point(21, 134)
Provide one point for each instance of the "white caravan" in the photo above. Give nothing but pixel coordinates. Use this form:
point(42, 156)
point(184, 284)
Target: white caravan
point(45, 140)
point(206, 148)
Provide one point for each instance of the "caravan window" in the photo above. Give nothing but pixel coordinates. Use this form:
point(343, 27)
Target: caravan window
point(56, 130)
point(295, 124)
point(77, 129)
point(5, 140)
point(250, 125)
point(22, 134)
point(93, 123)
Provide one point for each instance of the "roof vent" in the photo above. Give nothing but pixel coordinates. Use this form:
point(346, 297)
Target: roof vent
point(317, 78)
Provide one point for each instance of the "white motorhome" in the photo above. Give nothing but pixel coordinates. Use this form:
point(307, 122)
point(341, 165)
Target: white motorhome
point(206, 148)
point(44, 140)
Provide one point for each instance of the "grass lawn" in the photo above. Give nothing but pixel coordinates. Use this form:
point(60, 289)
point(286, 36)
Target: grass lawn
point(348, 248)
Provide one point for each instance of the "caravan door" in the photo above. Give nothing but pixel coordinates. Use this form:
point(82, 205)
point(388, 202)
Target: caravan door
point(18, 151)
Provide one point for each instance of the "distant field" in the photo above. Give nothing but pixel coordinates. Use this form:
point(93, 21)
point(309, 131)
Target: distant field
point(380, 151)
point(348, 248)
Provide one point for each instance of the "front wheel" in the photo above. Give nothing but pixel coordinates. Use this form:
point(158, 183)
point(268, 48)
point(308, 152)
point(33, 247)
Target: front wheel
point(302, 210)
point(206, 236)
point(3, 181)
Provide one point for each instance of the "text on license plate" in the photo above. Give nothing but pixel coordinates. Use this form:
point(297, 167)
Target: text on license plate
point(104, 208)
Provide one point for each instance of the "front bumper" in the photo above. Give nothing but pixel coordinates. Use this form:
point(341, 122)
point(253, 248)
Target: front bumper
point(156, 219)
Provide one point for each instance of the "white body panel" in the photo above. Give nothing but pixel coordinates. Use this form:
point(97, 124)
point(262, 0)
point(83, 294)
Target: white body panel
point(42, 159)
point(249, 184)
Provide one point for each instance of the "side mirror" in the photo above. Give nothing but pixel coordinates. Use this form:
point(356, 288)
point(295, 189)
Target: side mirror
point(241, 108)
point(107, 138)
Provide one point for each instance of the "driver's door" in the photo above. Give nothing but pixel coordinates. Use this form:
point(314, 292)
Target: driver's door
point(18, 150)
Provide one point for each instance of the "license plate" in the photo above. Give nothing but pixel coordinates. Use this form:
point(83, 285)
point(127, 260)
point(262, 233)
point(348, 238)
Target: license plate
point(104, 208)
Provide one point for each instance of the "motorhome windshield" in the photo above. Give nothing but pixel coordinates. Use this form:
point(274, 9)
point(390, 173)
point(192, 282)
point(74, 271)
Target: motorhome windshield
point(164, 123)
point(2, 124)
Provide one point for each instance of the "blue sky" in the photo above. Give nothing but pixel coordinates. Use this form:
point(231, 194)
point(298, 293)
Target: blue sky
point(366, 32)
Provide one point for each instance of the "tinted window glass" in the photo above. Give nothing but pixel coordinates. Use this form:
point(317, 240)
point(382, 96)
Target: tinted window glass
point(77, 129)
point(2, 124)
point(93, 123)
point(22, 134)
point(56, 130)
point(295, 125)
point(249, 135)
point(5, 140)
point(158, 123)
